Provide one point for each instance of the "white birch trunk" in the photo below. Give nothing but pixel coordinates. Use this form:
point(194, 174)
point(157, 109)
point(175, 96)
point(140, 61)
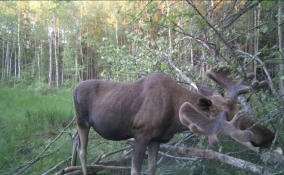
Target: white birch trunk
point(7, 59)
point(3, 59)
point(170, 31)
point(15, 65)
point(50, 60)
point(55, 51)
point(19, 46)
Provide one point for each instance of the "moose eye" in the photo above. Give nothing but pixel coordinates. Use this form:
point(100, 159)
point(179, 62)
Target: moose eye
point(204, 104)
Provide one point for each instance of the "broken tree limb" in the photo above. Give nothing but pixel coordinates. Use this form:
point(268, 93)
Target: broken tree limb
point(92, 169)
point(188, 80)
point(210, 154)
point(102, 156)
point(178, 157)
point(57, 165)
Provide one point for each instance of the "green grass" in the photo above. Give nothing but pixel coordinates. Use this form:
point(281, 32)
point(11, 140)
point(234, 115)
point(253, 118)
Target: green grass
point(29, 120)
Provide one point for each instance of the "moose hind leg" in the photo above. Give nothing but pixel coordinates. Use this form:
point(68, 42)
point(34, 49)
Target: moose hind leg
point(153, 149)
point(83, 136)
point(138, 155)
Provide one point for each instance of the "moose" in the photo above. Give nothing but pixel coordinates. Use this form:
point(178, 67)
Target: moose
point(154, 108)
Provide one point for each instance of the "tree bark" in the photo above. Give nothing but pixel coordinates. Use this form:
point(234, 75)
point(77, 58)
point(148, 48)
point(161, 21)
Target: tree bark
point(15, 65)
point(19, 45)
point(169, 30)
point(3, 59)
point(55, 50)
point(280, 44)
point(50, 60)
point(7, 59)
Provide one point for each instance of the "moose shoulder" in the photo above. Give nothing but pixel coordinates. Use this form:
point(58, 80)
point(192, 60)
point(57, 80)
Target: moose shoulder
point(154, 108)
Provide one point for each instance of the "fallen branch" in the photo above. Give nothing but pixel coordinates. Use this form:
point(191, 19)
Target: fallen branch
point(41, 154)
point(209, 154)
point(92, 169)
point(102, 156)
point(178, 157)
point(57, 165)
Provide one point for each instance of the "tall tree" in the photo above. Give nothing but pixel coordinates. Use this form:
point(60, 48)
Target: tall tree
point(280, 44)
point(55, 49)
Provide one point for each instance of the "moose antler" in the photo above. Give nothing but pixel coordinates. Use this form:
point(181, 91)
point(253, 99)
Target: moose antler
point(222, 77)
point(197, 122)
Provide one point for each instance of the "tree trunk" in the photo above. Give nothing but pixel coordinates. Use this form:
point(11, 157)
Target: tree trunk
point(76, 66)
point(50, 60)
point(15, 65)
point(19, 68)
point(19, 46)
point(55, 50)
point(116, 26)
point(280, 40)
point(191, 45)
point(170, 31)
point(10, 61)
point(7, 59)
point(3, 59)
point(39, 59)
point(256, 39)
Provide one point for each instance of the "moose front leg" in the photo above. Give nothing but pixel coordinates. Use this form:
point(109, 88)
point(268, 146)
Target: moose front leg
point(75, 144)
point(83, 136)
point(153, 149)
point(138, 156)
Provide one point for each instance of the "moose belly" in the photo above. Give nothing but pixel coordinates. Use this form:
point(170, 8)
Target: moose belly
point(111, 129)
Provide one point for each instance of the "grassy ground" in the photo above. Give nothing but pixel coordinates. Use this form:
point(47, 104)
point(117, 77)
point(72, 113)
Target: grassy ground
point(29, 120)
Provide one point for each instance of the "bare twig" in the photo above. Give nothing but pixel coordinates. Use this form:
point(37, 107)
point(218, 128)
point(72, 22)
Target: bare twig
point(177, 157)
point(111, 153)
point(40, 155)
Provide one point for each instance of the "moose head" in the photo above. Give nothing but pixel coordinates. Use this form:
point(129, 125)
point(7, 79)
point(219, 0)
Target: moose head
point(224, 115)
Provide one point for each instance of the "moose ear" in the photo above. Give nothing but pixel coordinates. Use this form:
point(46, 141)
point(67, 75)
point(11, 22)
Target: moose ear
point(204, 104)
